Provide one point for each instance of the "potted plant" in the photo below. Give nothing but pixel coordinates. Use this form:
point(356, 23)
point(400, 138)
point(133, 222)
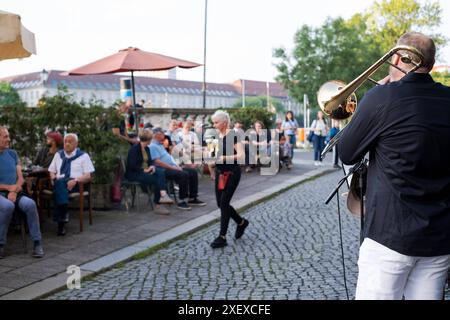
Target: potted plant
point(93, 124)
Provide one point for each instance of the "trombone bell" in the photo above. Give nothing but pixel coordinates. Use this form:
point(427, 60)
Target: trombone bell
point(336, 106)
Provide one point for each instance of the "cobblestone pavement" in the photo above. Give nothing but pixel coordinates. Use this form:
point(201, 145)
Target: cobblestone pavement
point(291, 250)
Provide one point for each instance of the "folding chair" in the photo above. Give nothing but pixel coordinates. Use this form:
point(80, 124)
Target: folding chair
point(133, 187)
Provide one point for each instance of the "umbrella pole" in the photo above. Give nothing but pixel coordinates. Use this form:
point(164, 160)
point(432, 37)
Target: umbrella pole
point(136, 124)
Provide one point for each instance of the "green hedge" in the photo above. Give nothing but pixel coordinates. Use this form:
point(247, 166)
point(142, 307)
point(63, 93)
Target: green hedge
point(90, 121)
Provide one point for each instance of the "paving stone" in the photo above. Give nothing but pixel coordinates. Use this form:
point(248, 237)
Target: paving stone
point(291, 250)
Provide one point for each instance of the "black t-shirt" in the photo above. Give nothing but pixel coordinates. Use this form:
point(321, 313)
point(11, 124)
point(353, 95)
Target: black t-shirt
point(228, 150)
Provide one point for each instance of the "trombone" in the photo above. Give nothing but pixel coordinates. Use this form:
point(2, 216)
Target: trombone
point(338, 101)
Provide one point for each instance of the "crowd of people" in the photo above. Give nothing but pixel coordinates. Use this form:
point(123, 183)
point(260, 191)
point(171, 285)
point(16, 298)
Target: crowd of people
point(157, 159)
point(403, 125)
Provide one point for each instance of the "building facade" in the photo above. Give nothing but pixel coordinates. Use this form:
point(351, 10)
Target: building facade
point(157, 92)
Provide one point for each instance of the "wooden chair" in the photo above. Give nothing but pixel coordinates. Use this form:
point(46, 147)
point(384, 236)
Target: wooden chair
point(46, 196)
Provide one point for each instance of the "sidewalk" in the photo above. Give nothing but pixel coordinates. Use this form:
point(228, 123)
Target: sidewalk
point(118, 235)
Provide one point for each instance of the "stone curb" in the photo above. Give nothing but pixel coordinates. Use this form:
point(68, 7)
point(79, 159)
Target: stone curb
point(57, 282)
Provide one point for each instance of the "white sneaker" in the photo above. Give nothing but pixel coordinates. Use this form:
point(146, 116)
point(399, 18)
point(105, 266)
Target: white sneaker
point(166, 200)
point(316, 163)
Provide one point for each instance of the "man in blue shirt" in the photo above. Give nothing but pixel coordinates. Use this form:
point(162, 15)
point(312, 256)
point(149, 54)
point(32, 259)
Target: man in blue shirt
point(11, 196)
point(186, 178)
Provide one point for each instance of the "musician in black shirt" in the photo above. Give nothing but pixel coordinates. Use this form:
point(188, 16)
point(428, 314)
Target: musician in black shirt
point(405, 126)
point(227, 174)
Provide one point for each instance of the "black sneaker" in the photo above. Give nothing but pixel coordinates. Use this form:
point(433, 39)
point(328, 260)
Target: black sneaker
point(2, 252)
point(183, 206)
point(219, 242)
point(240, 229)
point(61, 229)
point(196, 203)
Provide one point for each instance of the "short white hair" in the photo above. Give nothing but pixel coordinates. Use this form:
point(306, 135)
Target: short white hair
point(221, 116)
point(73, 135)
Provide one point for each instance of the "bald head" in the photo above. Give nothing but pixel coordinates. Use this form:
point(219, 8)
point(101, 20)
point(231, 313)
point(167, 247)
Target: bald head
point(422, 43)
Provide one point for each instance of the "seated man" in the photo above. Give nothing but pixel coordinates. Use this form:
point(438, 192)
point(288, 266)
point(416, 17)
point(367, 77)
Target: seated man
point(139, 169)
point(186, 178)
point(46, 154)
point(69, 167)
point(11, 196)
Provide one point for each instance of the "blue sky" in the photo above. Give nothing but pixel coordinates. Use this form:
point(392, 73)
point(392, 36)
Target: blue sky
point(240, 39)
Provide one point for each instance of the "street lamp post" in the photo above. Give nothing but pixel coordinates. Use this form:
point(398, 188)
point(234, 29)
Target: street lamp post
point(44, 76)
point(204, 56)
point(243, 93)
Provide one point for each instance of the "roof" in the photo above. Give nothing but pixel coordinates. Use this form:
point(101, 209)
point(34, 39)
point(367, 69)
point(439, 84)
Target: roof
point(259, 88)
point(145, 84)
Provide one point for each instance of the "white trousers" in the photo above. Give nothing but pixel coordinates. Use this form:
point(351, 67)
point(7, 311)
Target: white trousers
point(385, 274)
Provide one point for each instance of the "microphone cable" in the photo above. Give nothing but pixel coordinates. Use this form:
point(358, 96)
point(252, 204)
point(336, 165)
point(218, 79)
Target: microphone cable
point(342, 245)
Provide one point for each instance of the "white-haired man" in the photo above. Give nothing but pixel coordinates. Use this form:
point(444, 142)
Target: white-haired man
point(69, 167)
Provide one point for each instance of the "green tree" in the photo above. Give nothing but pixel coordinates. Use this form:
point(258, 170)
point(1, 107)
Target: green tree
point(248, 116)
point(442, 77)
point(389, 19)
point(8, 95)
point(260, 102)
point(92, 123)
point(61, 112)
point(334, 51)
point(19, 120)
point(343, 49)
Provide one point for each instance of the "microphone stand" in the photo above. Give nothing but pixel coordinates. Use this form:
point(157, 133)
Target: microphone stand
point(360, 168)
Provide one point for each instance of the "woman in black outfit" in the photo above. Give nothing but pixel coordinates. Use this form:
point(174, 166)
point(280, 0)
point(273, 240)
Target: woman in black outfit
point(230, 154)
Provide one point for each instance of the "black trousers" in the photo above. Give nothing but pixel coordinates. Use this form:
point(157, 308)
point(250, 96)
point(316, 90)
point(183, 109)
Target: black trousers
point(187, 180)
point(223, 198)
point(149, 181)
